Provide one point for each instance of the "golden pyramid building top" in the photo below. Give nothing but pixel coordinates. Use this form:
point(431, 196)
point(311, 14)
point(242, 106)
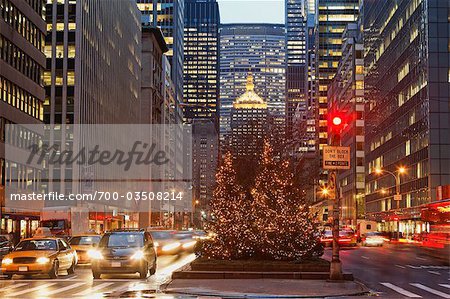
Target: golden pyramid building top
point(250, 100)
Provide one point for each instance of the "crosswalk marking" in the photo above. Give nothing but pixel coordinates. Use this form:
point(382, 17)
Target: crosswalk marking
point(94, 289)
point(45, 285)
point(60, 290)
point(445, 285)
point(403, 267)
point(432, 291)
point(16, 285)
point(400, 290)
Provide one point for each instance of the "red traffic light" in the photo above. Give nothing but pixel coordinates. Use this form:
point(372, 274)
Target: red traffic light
point(337, 121)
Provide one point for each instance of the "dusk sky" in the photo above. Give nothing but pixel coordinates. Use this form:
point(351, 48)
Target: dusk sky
point(251, 11)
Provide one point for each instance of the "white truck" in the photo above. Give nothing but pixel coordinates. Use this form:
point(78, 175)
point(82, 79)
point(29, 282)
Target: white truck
point(65, 221)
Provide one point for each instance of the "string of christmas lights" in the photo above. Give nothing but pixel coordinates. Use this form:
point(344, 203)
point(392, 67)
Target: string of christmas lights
point(269, 222)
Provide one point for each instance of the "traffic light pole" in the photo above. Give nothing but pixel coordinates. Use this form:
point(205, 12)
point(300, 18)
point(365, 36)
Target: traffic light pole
point(336, 266)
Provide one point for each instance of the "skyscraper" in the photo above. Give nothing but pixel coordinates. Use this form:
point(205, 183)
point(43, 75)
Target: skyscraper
point(407, 121)
point(333, 17)
point(346, 93)
point(22, 95)
point(256, 48)
point(93, 76)
point(205, 154)
point(169, 17)
point(296, 59)
point(201, 59)
point(248, 123)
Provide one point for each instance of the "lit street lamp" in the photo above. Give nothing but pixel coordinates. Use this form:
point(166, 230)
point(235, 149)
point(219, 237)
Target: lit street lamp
point(398, 197)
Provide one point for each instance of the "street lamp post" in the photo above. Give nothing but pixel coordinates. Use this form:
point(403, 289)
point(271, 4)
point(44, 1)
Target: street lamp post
point(398, 196)
point(337, 126)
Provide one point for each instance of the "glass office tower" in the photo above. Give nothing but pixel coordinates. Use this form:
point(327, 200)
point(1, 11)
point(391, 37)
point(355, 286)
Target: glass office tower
point(407, 122)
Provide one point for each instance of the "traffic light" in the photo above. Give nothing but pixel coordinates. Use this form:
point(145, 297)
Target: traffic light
point(336, 122)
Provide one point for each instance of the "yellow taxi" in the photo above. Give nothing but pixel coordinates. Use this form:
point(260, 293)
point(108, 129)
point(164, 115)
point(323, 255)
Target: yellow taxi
point(83, 244)
point(40, 256)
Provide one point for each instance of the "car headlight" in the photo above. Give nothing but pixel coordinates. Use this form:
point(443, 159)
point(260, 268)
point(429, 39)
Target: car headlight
point(171, 246)
point(7, 261)
point(95, 254)
point(43, 260)
point(156, 244)
point(137, 255)
point(189, 245)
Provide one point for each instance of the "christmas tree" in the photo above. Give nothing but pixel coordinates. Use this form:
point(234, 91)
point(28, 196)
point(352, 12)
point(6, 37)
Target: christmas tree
point(231, 223)
point(285, 229)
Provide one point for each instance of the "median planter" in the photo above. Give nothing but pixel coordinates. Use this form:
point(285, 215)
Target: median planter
point(314, 265)
point(201, 268)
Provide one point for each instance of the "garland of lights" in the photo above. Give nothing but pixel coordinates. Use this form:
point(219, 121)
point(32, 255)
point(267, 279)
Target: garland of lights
point(270, 222)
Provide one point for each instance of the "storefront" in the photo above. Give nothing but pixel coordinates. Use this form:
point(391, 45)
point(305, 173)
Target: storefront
point(100, 222)
point(407, 221)
point(19, 225)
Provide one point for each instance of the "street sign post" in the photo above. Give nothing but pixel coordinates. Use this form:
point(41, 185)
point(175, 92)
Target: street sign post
point(336, 157)
point(397, 197)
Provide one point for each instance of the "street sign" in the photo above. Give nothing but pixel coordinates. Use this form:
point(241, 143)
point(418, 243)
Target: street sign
point(398, 197)
point(332, 185)
point(336, 157)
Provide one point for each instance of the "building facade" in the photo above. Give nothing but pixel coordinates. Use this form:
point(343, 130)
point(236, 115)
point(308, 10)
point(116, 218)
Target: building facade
point(333, 16)
point(92, 76)
point(248, 123)
point(152, 103)
point(296, 60)
point(201, 60)
point(346, 96)
point(256, 48)
point(169, 17)
point(407, 121)
point(22, 61)
point(205, 153)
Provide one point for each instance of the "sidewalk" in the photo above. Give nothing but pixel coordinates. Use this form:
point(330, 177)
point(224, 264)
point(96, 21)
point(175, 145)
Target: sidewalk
point(265, 288)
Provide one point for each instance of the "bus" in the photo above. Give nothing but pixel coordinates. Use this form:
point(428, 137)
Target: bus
point(436, 241)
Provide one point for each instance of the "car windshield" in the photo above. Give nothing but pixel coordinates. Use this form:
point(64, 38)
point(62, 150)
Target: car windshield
point(86, 240)
point(346, 233)
point(158, 235)
point(184, 235)
point(373, 234)
point(53, 224)
point(36, 245)
point(122, 240)
point(328, 233)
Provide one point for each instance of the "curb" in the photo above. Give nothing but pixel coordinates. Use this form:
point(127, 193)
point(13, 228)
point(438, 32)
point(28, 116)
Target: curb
point(260, 296)
point(363, 292)
point(255, 275)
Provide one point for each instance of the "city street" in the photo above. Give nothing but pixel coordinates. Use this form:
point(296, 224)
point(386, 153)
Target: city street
point(397, 271)
point(82, 285)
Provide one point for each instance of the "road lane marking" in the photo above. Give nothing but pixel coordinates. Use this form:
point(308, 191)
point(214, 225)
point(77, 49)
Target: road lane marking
point(16, 285)
point(94, 289)
point(45, 285)
point(403, 267)
point(445, 285)
point(121, 288)
point(432, 291)
point(69, 287)
point(400, 290)
point(414, 267)
point(364, 257)
point(434, 272)
point(421, 258)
